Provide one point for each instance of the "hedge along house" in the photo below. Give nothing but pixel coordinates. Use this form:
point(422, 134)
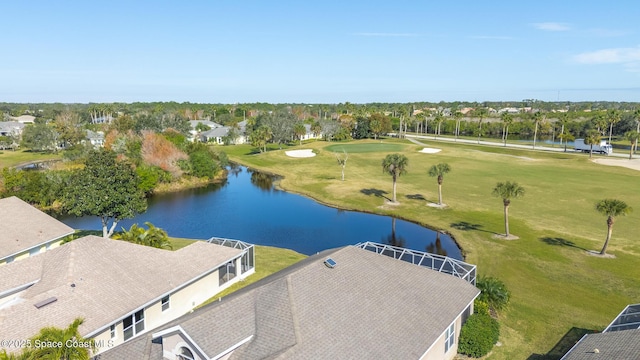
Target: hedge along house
point(122, 290)
point(26, 231)
point(347, 303)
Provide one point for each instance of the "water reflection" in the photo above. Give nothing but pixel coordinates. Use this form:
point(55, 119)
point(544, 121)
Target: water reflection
point(392, 239)
point(262, 181)
point(436, 247)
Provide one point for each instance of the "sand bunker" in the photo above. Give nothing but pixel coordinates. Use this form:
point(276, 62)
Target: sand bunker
point(303, 153)
point(631, 164)
point(430, 151)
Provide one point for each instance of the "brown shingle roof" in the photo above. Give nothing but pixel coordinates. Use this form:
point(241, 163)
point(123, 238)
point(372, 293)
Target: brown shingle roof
point(100, 280)
point(22, 227)
point(368, 307)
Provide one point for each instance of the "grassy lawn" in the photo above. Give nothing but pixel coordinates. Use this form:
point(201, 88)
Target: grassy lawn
point(10, 158)
point(365, 147)
point(556, 287)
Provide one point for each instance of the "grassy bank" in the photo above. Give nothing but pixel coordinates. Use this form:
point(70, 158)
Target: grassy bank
point(10, 158)
point(556, 286)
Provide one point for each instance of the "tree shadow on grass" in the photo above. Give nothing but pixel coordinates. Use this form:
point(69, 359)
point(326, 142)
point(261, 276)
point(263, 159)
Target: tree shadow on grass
point(466, 226)
point(565, 344)
point(557, 241)
point(416, 197)
point(375, 192)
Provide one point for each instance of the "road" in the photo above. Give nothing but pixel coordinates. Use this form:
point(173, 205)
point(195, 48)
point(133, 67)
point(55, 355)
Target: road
point(415, 139)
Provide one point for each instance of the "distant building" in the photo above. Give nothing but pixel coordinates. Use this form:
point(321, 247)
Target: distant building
point(95, 138)
point(347, 303)
point(11, 128)
point(25, 119)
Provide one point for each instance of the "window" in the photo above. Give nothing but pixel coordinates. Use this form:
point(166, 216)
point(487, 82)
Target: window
point(450, 337)
point(133, 324)
point(112, 330)
point(185, 354)
point(165, 303)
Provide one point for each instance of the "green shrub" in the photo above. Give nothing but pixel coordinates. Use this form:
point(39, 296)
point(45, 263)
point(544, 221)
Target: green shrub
point(480, 307)
point(478, 335)
point(494, 292)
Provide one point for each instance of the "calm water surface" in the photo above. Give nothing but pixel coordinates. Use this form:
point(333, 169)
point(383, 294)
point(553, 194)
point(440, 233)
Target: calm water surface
point(247, 207)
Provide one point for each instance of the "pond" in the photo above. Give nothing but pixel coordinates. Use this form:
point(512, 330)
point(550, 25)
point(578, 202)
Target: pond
point(248, 207)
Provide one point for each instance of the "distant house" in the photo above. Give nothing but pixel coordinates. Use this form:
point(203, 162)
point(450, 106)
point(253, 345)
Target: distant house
point(216, 133)
point(11, 128)
point(309, 134)
point(122, 290)
point(107, 119)
point(620, 340)
point(25, 119)
point(26, 231)
point(95, 138)
point(348, 303)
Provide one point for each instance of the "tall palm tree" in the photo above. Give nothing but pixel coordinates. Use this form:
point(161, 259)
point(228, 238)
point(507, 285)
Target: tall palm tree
point(458, 116)
point(613, 117)
point(611, 208)
point(632, 136)
point(507, 191)
point(564, 121)
point(70, 335)
point(480, 113)
point(566, 136)
point(395, 165)
point(636, 115)
point(537, 118)
point(592, 138)
point(439, 171)
point(507, 119)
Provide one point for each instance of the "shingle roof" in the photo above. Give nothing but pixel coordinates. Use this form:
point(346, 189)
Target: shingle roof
point(22, 226)
point(100, 280)
point(623, 344)
point(368, 307)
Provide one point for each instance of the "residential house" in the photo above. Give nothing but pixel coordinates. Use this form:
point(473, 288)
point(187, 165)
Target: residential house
point(620, 340)
point(11, 128)
point(347, 303)
point(309, 134)
point(217, 132)
point(121, 290)
point(25, 119)
point(26, 231)
point(95, 138)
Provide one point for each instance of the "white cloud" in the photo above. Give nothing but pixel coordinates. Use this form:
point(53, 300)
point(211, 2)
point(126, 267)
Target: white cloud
point(610, 56)
point(387, 34)
point(552, 26)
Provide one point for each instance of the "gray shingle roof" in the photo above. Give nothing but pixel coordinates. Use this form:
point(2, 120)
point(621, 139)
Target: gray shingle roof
point(110, 279)
point(623, 344)
point(368, 307)
point(22, 226)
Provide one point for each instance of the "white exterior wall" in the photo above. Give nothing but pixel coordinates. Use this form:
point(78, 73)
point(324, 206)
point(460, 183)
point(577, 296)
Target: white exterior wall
point(181, 302)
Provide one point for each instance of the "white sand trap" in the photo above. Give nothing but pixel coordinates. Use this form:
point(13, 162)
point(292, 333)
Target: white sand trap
point(430, 150)
point(631, 164)
point(303, 153)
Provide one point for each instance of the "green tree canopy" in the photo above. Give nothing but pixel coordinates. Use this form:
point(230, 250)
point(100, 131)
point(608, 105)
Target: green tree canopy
point(106, 188)
point(39, 137)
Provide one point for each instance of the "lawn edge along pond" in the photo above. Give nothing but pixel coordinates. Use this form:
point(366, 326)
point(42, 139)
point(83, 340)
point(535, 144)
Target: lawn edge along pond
point(556, 287)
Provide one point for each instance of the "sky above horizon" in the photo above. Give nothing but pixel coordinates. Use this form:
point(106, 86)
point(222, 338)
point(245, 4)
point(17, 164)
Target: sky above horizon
point(319, 52)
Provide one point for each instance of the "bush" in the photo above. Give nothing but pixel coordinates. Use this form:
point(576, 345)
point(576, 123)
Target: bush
point(478, 335)
point(480, 307)
point(494, 292)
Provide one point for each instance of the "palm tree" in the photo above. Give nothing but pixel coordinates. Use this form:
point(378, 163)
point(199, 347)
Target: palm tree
point(507, 119)
point(613, 117)
point(481, 113)
point(299, 130)
point(564, 121)
point(342, 161)
point(636, 115)
point(458, 116)
point(632, 136)
point(611, 208)
point(439, 171)
point(70, 335)
point(152, 236)
point(507, 191)
point(395, 165)
point(592, 138)
point(566, 136)
point(537, 118)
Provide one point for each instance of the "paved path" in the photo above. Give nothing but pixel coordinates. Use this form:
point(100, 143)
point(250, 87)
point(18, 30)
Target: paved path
point(416, 139)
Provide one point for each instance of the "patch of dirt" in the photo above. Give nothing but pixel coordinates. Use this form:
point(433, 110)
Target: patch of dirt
point(633, 164)
point(503, 237)
point(597, 254)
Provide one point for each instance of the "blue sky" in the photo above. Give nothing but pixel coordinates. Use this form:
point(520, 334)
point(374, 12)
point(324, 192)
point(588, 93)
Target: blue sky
point(224, 51)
